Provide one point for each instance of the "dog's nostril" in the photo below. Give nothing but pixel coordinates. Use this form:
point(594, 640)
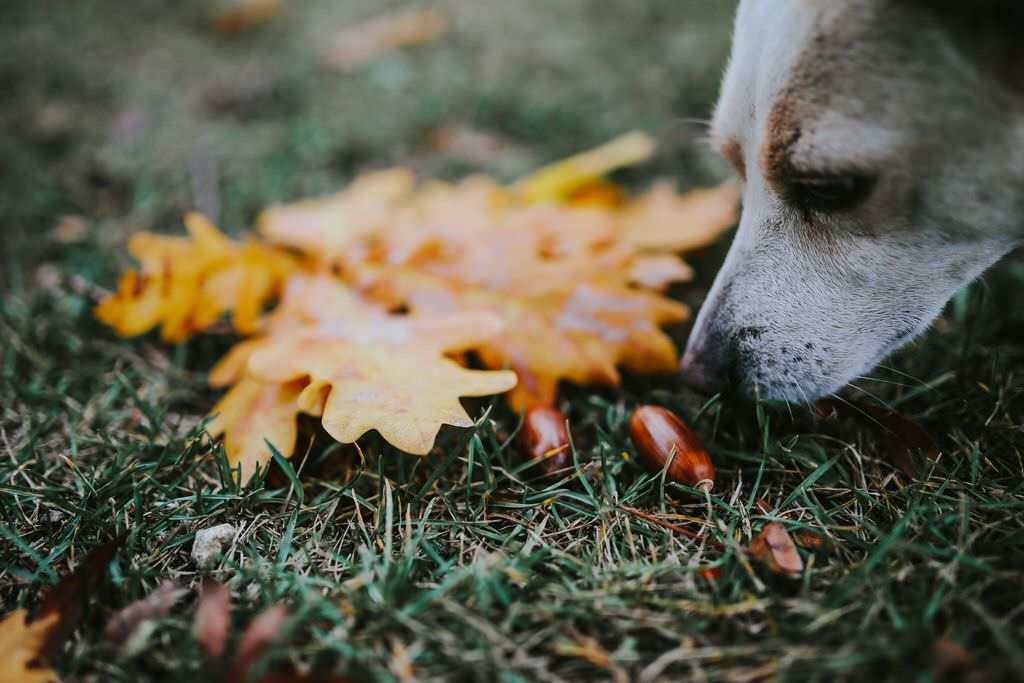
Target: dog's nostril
point(697, 372)
point(693, 371)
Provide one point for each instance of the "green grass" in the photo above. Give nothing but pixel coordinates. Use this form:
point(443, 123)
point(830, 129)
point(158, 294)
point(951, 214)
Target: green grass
point(467, 564)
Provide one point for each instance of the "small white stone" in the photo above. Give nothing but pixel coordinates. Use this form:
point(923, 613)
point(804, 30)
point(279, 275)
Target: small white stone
point(209, 544)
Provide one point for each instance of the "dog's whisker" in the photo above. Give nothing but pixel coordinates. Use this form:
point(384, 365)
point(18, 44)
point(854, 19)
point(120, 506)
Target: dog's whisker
point(878, 399)
point(853, 406)
point(891, 382)
point(889, 368)
point(693, 120)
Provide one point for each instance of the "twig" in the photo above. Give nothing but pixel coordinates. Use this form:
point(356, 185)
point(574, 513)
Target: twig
point(675, 528)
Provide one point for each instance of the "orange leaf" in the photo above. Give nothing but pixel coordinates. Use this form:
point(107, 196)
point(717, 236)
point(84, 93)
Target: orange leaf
point(563, 258)
point(253, 413)
point(387, 374)
point(559, 181)
point(20, 645)
point(664, 220)
point(187, 284)
point(580, 335)
point(327, 227)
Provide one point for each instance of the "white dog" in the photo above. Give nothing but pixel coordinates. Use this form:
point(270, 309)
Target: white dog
point(882, 147)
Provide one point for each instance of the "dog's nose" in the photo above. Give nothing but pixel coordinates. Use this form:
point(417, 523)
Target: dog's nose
point(698, 374)
point(701, 370)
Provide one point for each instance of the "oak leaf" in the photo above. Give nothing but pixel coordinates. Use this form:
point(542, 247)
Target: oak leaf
point(580, 334)
point(187, 284)
point(252, 414)
point(560, 180)
point(563, 258)
point(327, 227)
point(331, 355)
point(387, 374)
point(20, 644)
point(666, 221)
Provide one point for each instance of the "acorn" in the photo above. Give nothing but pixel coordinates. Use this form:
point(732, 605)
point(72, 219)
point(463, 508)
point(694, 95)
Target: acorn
point(544, 438)
point(660, 435)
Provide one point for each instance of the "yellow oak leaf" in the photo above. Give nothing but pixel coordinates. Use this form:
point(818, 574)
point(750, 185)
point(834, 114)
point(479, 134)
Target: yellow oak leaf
point(135, 308)
point(563, 261)
point(308, 299)
point(387, 374)
point(580, 334)
point(658, 271)
point(326, 227)
point(666, 221)
point(251, 414)
point(187, 284)
point(21, 643)
point(559, 181)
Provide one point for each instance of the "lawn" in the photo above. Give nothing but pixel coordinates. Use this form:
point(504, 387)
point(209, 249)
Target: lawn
point(466, 565)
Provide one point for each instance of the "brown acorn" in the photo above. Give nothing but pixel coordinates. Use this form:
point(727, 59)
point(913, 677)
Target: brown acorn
point(658, 434)
point(544, 438)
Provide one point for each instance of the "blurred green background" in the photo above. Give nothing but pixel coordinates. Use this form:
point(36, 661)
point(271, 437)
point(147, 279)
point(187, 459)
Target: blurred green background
point(130, 113)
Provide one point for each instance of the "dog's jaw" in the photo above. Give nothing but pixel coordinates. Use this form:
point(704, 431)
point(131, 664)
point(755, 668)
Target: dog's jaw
point(808, 301)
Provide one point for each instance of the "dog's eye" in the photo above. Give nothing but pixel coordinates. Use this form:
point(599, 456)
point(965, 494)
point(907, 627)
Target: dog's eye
point(829, 193)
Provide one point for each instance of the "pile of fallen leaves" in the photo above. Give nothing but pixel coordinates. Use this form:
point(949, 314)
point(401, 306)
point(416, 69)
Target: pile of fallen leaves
point(366, 308)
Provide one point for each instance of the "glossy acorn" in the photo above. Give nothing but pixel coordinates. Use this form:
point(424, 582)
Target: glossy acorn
point(658, 433)
point(544, 438)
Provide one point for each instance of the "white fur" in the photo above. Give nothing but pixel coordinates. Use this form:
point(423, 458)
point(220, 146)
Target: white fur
point(806, 303)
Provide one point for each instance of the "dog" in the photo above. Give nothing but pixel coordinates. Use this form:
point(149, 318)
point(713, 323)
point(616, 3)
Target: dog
point(881, 147)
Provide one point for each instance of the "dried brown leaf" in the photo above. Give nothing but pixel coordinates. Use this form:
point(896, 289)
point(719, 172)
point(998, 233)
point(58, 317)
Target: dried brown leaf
point(776, 550)
point(358, 45)
point(213, 618)
point(236, 16)
point(902, 441)
point(127, 623)
point(67, 600)
point(262, 631)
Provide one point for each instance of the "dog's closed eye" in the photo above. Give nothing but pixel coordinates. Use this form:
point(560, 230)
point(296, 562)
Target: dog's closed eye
point(829, 193)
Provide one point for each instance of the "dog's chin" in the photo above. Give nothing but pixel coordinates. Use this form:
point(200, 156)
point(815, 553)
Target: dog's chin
point(791, 387)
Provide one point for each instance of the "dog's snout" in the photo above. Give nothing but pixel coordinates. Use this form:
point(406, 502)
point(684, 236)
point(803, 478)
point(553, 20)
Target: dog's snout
point(704, 367)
